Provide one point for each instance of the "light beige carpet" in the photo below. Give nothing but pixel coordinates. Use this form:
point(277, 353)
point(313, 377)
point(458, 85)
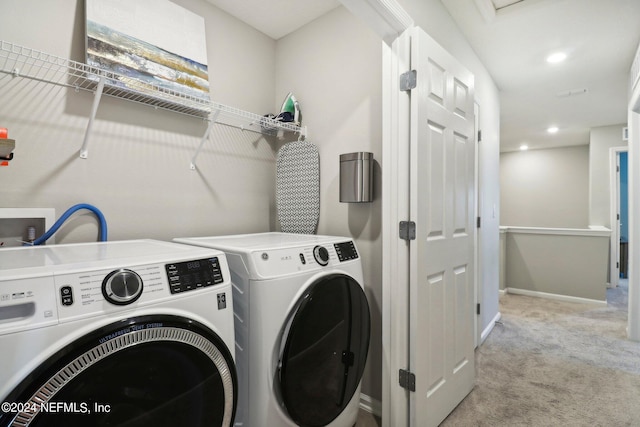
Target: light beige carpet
point(367, 419)
point(551, 363)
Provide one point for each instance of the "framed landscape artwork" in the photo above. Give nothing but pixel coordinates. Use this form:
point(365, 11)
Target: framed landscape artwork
point(149, 42)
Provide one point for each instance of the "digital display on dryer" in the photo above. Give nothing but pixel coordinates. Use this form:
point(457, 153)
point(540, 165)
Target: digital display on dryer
point(190, 275)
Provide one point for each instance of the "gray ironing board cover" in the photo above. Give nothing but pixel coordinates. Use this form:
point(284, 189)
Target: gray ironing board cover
point(298, 187)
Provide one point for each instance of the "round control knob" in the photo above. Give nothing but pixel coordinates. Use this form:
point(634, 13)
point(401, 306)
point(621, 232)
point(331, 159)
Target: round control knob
point(122, 287)
point(321, 254)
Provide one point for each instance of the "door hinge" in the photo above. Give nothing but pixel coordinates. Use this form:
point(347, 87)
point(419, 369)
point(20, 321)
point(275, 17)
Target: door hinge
point(407, 380)
point(407, 230)
point(478, 309)
point(479, 135)
point(478, 222)
point(617, 265)
point(618, 217)
point(408, 80)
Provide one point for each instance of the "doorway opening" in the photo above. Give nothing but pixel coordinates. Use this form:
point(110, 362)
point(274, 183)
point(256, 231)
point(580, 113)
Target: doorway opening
point(620, 237)
point(623, 198)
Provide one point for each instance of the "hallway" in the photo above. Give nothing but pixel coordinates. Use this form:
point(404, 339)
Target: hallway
point(552, 363)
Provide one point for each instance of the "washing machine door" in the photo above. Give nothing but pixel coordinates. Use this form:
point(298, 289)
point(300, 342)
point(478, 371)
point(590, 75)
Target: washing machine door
point(324, 350)
point(143, 371)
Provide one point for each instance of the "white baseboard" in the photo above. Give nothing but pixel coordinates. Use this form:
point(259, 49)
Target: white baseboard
point(556, 297)
point(371, 405)
point(490, 327)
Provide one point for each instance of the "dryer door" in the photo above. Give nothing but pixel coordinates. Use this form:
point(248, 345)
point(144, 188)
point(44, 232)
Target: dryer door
point(325, 345)
point(142, 371)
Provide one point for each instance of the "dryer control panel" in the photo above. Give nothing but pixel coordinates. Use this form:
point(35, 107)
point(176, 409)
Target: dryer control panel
point(279, 262)
point(190, 275)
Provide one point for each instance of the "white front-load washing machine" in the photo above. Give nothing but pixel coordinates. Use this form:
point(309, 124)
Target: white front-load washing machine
point(302, 327)
point(129, 333)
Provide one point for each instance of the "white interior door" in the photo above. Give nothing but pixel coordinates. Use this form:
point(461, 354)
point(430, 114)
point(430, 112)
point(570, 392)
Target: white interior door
point(442, 255)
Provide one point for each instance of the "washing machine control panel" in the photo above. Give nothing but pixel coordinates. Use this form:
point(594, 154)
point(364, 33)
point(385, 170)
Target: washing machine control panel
point(88, 293)
point(346, 251)
point(27, 303)
point(91, 292)
point(190, 275)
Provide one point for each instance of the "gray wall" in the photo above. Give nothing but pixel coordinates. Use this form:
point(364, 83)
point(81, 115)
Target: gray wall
point(572, 264)
point(138, 171)
point(545, 188)
point(334, 67)
point(560, 187)
point(602, 140)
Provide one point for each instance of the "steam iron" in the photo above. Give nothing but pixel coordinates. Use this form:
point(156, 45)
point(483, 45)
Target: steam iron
point(290, 111)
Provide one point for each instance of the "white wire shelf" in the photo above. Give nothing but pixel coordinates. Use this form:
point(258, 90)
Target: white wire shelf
point(254, 121)
point(20, 61)
point(30, 63)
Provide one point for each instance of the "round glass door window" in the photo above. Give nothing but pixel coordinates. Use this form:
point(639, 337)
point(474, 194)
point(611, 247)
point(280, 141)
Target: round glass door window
point(146, 371)
point(324, 350)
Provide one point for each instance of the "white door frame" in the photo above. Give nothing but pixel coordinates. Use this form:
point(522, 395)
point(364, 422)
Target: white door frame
point(477, 231)
point(633, 325)
point(614, 192)
point(395, 252)
point(395, 207)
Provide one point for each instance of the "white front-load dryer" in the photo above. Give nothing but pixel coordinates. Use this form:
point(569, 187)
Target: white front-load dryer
point(130, 333)
point(302, 327)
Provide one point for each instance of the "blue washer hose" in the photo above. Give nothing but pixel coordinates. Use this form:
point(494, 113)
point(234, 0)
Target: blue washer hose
point(103, 223)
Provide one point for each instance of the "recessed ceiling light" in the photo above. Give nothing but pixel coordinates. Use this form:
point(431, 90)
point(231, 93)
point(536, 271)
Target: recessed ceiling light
point(524, 147)
point(554, 58)
point(553, 129)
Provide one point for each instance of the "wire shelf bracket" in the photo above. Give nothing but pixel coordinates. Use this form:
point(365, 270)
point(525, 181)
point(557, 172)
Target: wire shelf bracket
point(84, 150)
point(205, 138)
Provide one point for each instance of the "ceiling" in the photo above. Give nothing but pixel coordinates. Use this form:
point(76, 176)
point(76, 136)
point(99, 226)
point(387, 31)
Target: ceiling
point(276, 18)
point(513, 38)
point(600, 39)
